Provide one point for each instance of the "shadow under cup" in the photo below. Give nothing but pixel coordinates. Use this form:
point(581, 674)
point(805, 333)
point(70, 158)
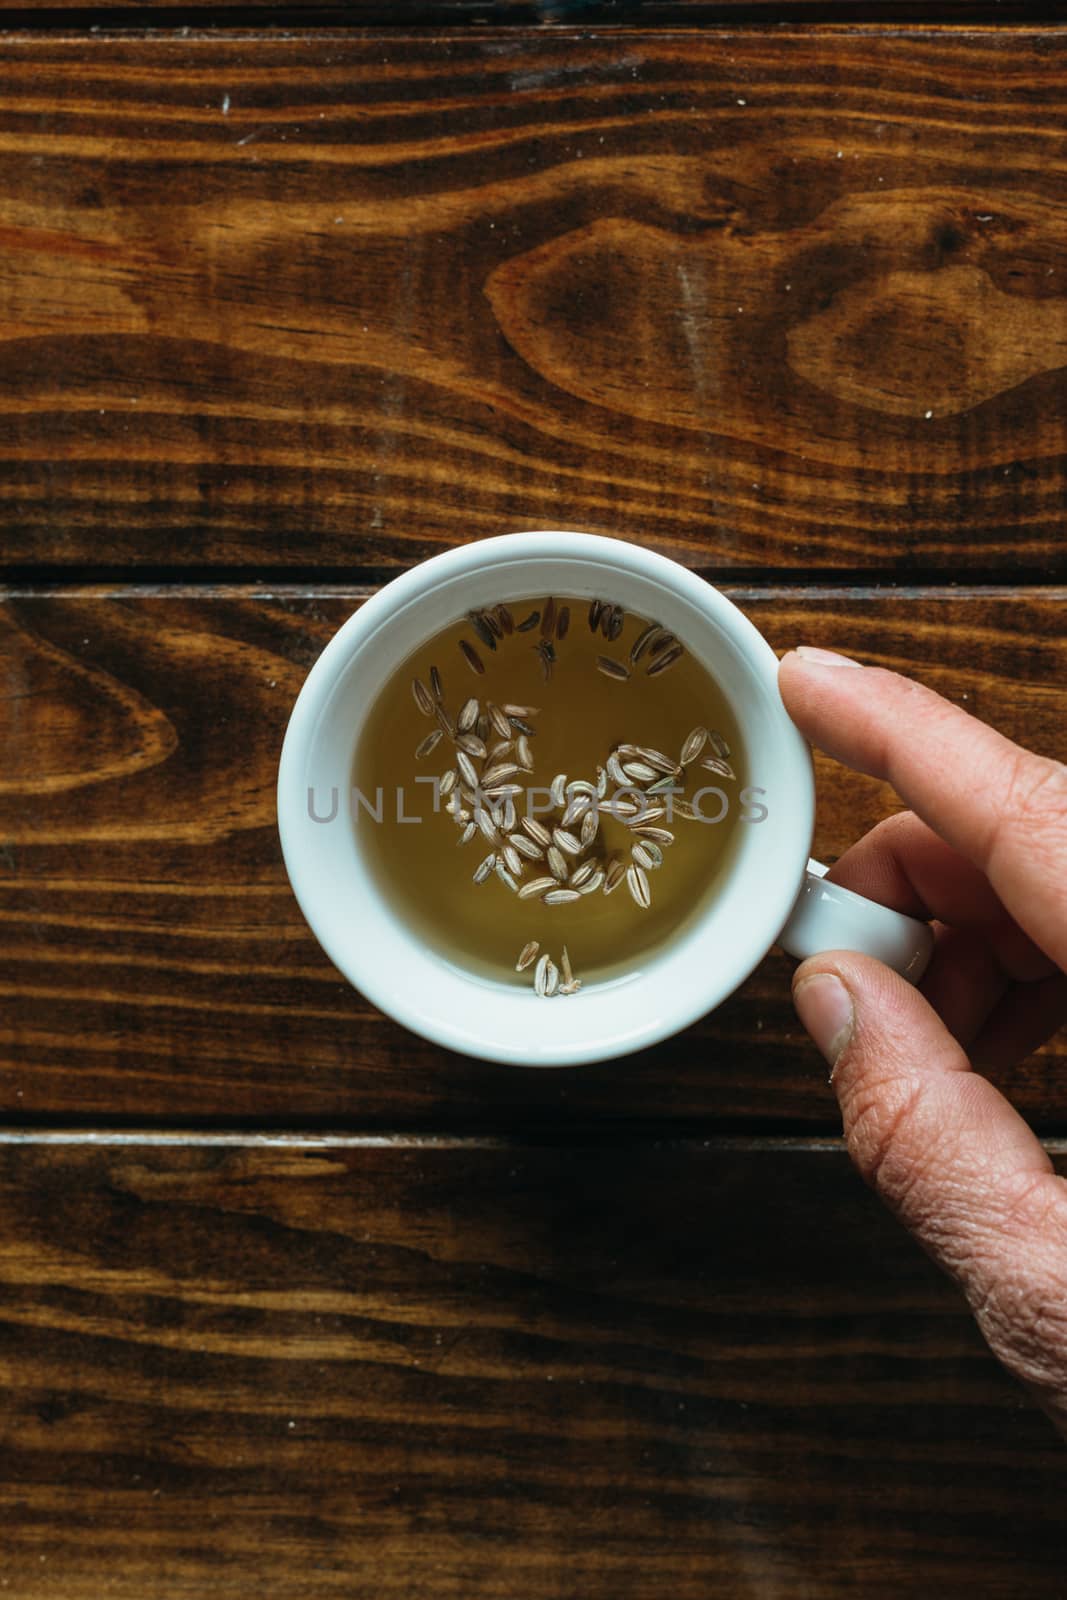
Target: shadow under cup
point(343, 898)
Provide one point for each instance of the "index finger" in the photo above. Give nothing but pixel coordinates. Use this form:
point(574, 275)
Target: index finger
point(1001, 806)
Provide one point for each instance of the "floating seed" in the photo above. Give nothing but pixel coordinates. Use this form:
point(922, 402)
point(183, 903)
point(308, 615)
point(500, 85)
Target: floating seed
point(659, 835)
point(546, 659)
point(525, 847)
point(468, 715)
point(507, 816)
point(486, 824)
point(505, 619)
point(448, 782)
point(521, 725)
point(565, 967)
point(504, 791)
point(683, 809)
point(498, 721)
point(471, 743)
point(548, 618)
point(537, 886)
point(561, 897)
point(595, 608)
point(481, 627)
point(639, 772)
point(558, 789)
point(466, 768)
point(563, 622)
point(499, 773)
point(614, 874)
point(616, 618)
point(656, 758)
point(482, 728)
point(546, 976)
point(667, 659)
point(637, 883)
point(662, 642)
point(528, 622)
point(470, 829)
point(493, 623)
point(693, 745)
point(642, 642)
point(505, 877)
point(431, 741)
point(615, 771)
point(444, 721)
point(581, 874)
point(436, 686)
point(612, 669)
point(719, 745)
point(557, 862)
point(521, 711)
point(577, 807)
point(722, 769)
point(526, 955)
point(537, 831)
point(471, 656)
point(666, 785)
point(423, 698)
point(512, 860)
point(590, 828)
point(523, 753)
point(641, 855)
point(499, 749)
point(594, 882)
point(566, 841)
point(601, 782)
point(484, 868)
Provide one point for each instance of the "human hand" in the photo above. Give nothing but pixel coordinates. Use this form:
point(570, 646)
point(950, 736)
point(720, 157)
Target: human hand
point(983, 852)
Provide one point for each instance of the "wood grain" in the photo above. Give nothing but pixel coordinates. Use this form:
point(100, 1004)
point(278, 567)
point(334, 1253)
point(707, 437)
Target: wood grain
point(155, 963)
point(769, 300)
point(404, 14)
point(423, 1369)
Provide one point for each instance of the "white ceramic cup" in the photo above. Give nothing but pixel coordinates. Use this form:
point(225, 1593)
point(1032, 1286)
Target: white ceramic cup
point(772, 892)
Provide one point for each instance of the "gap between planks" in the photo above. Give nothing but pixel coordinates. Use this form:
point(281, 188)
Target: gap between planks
point(738, 585)
point(296, 1140)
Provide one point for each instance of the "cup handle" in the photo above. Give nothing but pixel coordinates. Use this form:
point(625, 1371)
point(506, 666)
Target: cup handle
point(828, 917)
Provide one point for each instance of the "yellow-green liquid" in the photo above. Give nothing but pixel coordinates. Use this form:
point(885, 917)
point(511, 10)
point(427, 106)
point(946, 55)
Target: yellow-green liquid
point(581, 714)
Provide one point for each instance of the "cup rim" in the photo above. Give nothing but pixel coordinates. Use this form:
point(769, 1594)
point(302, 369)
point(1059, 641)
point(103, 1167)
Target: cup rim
point(358, 965)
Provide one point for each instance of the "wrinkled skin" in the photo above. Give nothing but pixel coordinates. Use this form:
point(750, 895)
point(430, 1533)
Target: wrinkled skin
point(983, 853)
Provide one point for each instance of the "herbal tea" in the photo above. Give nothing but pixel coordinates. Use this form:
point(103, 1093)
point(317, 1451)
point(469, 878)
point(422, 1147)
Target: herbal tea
point(547, 791)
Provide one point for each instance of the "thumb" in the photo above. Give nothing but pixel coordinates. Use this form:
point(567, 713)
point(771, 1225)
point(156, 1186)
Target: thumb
point(950, 1156)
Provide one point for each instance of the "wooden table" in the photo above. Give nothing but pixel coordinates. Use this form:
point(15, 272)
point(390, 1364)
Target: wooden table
point(294, 1304)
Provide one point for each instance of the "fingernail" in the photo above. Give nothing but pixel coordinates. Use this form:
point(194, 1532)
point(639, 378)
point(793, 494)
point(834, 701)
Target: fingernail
point(825, 658)
point(824, 1006)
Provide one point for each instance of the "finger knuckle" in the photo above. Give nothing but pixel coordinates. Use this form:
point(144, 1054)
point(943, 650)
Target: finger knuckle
point(879, 1118)
point(1022, 1313)
point(1035, 798)
point(1018, 1283)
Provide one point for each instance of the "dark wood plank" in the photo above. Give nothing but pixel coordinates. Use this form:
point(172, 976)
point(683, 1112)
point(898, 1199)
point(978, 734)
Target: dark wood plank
point(768, 298)
point(515, 13)
point(155, 964)
point(425, 1370)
